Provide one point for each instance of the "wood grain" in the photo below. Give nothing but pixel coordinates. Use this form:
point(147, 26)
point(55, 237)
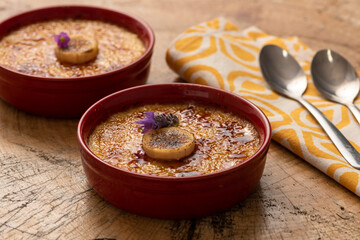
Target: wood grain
point(44, 193)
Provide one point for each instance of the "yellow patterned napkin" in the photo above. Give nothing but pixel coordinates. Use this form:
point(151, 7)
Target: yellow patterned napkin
point(218, 54)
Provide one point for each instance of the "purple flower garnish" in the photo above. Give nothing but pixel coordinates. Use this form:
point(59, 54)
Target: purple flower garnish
point(62, 39)
point(148, 122)
point(152, 122)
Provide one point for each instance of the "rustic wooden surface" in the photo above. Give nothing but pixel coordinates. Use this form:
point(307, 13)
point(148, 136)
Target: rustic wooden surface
point(43, 190)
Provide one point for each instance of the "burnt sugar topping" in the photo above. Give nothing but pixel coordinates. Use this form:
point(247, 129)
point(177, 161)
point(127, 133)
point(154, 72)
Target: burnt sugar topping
point(32, 50)
point(222, 140)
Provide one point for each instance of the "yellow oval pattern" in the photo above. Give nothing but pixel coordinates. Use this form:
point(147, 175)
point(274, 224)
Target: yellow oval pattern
point(195, 31)
point(291, 138)
point(349, 180)
point(236, 74)
point(179, 63)
point(334, 167)
point(253, 86)
point(213, 71)
point(241, 53)
point(227, 54)
point(230, 27)
point(188, 44)
point(240, 41)
point(214, 24)
point(255, 35)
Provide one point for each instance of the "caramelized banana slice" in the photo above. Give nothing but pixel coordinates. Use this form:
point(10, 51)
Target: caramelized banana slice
point(170, 143)
point(81, 48)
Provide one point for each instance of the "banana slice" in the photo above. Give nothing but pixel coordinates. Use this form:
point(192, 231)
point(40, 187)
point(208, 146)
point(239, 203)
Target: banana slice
point(170, 143)
point(81, 48)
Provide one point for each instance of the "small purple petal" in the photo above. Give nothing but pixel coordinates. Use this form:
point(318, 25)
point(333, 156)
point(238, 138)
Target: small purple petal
point(152, 122)
point(148, 122)
point(62, 39)
point(150, 115)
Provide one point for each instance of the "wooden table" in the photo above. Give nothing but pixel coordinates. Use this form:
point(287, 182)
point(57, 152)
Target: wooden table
point(44, 193)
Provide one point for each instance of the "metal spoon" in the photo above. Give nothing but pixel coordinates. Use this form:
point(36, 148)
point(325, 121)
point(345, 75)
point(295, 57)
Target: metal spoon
point(336, 79)
point(284, 74)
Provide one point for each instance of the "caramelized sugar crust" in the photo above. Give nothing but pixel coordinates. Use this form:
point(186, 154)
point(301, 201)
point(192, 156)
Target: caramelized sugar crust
point(31, 49)
point(223, 140)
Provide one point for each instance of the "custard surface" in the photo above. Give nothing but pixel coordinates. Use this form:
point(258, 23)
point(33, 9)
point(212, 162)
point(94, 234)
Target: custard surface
point(223, 140)
point(31, 49)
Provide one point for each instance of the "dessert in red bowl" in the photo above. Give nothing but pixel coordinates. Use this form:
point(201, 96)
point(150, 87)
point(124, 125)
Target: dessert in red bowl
point(36, 80)
point(185, 189)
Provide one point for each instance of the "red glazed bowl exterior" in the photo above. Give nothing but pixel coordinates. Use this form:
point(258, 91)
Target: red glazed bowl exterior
point(170, 197)
point(70, 97)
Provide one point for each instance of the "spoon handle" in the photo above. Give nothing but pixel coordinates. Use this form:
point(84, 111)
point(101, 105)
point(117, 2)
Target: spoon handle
point(355, 111)
point(343, 145)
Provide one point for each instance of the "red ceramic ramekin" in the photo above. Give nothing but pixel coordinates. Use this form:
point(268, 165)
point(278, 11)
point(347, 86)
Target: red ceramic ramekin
point(70, 97)
point(171, 197)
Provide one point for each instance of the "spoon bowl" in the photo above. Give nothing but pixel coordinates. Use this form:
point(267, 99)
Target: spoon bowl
point(336, 79)
point(282, 72)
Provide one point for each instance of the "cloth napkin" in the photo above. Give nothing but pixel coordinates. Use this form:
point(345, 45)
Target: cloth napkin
point(218, 54)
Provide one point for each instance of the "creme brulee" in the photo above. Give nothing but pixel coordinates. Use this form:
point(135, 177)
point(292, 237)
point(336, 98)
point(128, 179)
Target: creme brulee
point(223, 140)
point(30, 49)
